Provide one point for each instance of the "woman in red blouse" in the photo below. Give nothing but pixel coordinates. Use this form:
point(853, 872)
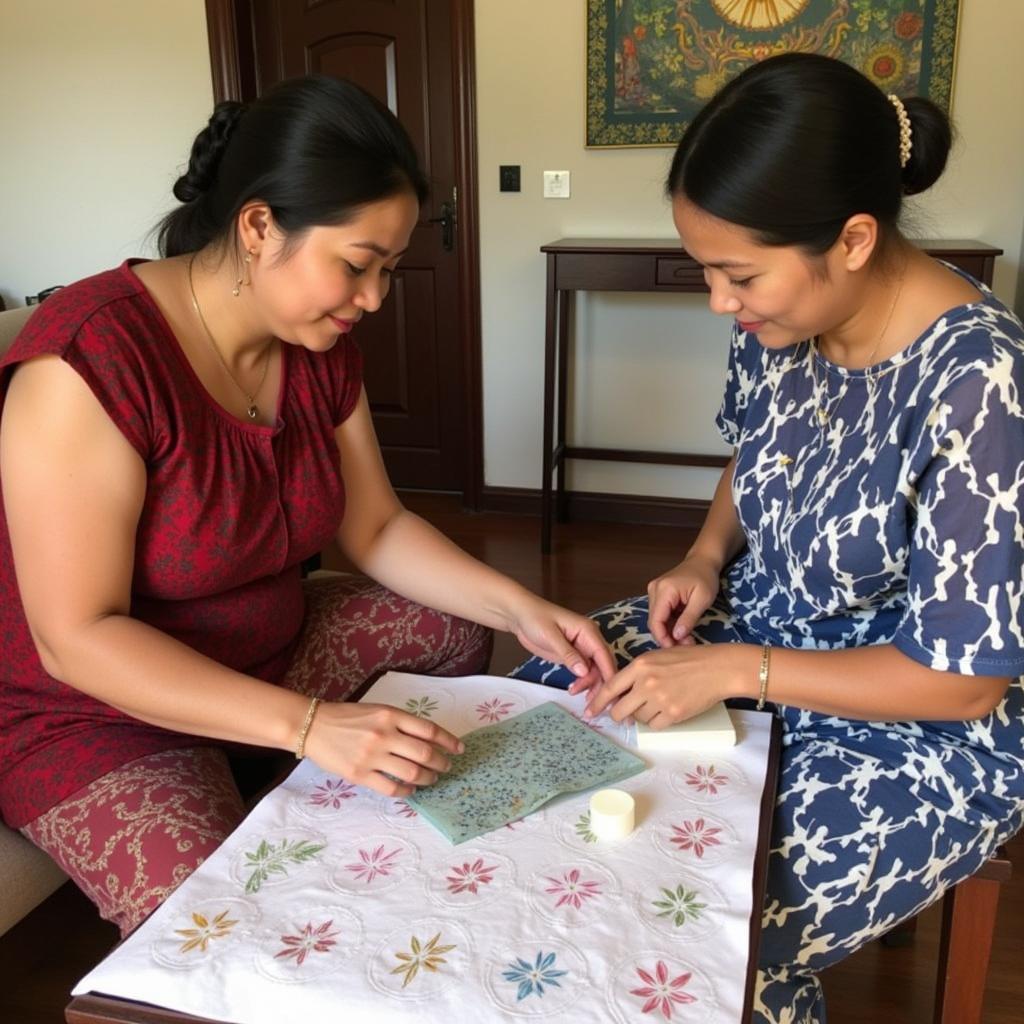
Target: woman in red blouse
point(177, 436)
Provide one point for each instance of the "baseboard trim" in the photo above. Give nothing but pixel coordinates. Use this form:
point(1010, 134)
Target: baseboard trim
point(585, 506)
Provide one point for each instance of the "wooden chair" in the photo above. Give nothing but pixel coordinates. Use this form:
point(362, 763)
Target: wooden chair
point(965, 942)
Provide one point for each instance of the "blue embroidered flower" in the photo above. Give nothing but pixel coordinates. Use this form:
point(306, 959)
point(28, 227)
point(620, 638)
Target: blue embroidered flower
point(533, 978)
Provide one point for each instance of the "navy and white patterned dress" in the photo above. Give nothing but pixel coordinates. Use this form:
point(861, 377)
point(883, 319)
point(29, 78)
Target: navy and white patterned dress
point(896, 517)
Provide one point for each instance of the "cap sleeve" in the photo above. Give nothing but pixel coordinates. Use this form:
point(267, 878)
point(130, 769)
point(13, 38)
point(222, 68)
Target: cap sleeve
point(966, 566)
point(744, 365)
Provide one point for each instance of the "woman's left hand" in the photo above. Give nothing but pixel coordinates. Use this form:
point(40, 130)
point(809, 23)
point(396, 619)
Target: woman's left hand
point(662, 687)
point(559, 635)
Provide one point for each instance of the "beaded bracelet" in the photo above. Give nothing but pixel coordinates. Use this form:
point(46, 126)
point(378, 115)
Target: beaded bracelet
point(762, 675)
point(300, 747)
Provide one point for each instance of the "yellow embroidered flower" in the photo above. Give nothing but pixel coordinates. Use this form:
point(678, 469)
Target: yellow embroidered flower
point(707, 85)
point(205, 930)
point(884, 64)
point(428, 957)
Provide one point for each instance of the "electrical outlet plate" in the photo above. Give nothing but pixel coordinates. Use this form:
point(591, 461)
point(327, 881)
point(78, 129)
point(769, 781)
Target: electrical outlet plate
point(556, 184)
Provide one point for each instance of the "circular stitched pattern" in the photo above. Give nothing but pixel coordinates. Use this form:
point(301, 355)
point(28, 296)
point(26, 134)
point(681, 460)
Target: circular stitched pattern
point(572, 819)
point(421, 959)
point(693, 838)
point(308, 944)
point(574, 892)
point(706, 780)
point(535, 977)
point(492, 709)
point(469, 877)
point(398, 813)
point(327, 798)
point(653, 985)
point(515, 829)
point(371, 865)
point(202, 932)
point(434, 705)
point(678, 906)
point(277, 856)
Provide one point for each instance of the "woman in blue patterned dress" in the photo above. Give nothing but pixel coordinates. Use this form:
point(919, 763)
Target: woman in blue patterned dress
point(861, 562)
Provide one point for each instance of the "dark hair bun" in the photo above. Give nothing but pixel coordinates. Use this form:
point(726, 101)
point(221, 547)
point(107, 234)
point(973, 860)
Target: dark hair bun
point(931, 137)
point(207, 151)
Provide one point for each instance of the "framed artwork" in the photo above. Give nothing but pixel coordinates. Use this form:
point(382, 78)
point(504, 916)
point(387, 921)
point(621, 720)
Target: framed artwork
point(652, 64)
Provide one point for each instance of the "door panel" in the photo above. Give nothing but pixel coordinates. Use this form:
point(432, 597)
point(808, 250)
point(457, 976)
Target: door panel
point(401, 52)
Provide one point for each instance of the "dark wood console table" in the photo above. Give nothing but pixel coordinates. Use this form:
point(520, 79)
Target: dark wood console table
point(642, 265)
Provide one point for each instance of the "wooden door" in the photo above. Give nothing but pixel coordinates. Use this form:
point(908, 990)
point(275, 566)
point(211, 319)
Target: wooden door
point(421, 360)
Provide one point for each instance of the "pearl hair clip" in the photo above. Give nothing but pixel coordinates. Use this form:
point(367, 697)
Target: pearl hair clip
point(905, 133)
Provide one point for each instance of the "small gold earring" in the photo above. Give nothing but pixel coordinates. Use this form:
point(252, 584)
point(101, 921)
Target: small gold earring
point(248, 277)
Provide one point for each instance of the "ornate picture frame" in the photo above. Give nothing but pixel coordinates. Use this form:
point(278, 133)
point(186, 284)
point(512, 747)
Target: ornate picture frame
point(651, 64)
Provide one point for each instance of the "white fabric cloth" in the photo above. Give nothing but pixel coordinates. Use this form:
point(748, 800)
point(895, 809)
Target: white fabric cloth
point(332, 902)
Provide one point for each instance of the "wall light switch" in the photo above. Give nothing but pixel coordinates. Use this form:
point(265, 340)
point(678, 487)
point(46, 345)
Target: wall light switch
point(556, 184)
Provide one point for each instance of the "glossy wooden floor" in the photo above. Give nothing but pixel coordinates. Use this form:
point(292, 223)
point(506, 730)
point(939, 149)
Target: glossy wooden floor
point(43, 956)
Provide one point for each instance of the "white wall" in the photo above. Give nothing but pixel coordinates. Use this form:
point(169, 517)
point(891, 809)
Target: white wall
point(650, 368)
point(100, 102)
point(101, 99)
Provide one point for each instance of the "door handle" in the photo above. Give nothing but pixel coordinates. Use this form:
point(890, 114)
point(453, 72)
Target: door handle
point(447, 222)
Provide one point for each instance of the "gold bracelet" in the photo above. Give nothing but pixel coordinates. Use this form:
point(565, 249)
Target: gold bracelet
point(300, 747)
point(762, 675)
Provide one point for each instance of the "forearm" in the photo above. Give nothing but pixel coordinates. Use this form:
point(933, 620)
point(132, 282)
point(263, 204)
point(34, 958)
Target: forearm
point(151, 676)
point(876, 683)
point(415, 560)
point(721, 537)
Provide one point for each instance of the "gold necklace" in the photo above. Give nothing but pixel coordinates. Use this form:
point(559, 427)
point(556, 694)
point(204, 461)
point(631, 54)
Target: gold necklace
point(824, 412)
point(252, 409)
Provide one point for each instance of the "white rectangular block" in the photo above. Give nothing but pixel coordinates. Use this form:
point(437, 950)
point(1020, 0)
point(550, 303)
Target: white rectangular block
point(711, 730)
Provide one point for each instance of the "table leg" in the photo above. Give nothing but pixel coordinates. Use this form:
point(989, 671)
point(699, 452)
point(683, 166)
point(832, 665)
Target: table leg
point(549, 411)
point(565, 310)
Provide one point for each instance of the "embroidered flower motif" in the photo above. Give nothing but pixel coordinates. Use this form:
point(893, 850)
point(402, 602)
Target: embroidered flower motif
point(695, 835)
point(661, 992)
point(404, 810)
point(205, 931)
point(470, 876)
point(373, 863)
point(571, 890)
point(310, 939)
point(706, 780)
point(332, 793)
point(533, 977)
point(679, 904)
point(583, 828)
point(493, 710)
point(272, 860)
point(428, 957)
point(421, 707)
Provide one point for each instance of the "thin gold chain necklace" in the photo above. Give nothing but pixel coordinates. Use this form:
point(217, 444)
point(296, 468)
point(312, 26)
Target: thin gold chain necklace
point(252, 409)
point(823, 411)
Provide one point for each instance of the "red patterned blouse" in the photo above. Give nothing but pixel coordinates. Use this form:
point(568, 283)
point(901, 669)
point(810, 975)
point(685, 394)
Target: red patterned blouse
point(231, 510)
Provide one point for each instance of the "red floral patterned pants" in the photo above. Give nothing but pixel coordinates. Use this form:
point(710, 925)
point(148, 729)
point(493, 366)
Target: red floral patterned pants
point(130, 838)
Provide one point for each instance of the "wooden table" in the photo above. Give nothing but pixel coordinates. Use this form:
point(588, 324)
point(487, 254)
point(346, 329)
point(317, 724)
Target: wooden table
point(95, 1009)
point(641, 265)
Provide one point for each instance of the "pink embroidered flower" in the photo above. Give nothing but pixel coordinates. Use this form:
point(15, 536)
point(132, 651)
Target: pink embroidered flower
point(706, 780)
point(470, 876)
point(571, 890)
point(373, 863)
point(309, 940)
point(493, 710)
point(695, 835)
point(661, 992)
point(404, 810)
point(332, 793)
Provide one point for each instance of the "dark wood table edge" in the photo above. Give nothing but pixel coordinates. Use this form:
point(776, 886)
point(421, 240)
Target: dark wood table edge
point(100, 1009)
point(760, 879)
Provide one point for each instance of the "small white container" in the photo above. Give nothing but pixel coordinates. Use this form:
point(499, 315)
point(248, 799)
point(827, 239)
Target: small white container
point(612, 814)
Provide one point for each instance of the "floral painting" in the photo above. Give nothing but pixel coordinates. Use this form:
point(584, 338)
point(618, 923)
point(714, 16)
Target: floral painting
point(652, 64)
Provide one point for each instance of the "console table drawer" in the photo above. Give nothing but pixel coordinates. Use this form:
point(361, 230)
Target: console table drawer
point(681, 273)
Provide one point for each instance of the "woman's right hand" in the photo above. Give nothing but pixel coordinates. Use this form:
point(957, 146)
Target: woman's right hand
point(365, 743)
point(678, 599)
